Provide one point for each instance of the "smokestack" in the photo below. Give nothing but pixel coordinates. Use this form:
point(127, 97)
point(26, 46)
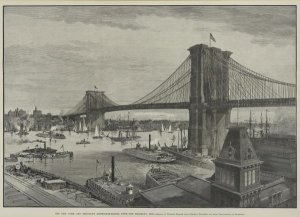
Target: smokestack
point(149, 141)
point(112, 168)
point(45, 145)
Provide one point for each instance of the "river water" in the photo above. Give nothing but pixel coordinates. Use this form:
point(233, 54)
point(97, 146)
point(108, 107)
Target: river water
point(83, 164)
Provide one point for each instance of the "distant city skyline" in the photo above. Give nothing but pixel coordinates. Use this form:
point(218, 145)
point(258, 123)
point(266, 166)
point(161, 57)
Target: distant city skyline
point(54, 54)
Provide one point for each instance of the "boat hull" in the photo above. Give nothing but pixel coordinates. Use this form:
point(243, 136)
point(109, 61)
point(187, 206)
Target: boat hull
point(124, 139)
point(144, 155)
point(106, 196)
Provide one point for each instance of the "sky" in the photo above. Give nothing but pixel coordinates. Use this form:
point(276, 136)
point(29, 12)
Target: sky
point(52, 55)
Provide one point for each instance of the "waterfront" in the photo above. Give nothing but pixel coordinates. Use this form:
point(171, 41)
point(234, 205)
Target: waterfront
point(83, 164)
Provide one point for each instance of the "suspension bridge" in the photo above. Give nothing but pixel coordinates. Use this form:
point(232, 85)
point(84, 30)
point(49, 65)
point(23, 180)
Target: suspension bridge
point(209, 83)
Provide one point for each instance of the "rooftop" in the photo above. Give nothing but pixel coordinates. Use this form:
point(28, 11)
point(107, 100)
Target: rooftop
point(195, 185)
point(172, 196)
point(237, 148)
point(54, 181)
point(117, 188)
point(162, 176)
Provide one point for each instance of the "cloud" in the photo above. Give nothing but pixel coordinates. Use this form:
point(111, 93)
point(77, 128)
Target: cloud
point(267, 24)
point(110, 16)
point(54, 54)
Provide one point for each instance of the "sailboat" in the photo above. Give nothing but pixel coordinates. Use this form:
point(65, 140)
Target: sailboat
point(170, 129)
point(97, 134)
point(75, 128)
point(84, 127)
point(79, 128)
point(162, 128)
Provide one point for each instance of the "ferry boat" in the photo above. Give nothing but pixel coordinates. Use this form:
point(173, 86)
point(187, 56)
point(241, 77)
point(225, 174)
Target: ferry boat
point(111, 190)
point(45, 152)
point(51, 135)
point(157, 176)
point(153, 155)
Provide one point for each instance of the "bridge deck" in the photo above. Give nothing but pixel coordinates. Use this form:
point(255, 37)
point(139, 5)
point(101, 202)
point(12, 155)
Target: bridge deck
point(211, 105)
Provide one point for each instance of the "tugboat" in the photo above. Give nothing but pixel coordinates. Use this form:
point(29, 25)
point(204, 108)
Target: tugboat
point(153, 155)
point(97, 134)
point(112, 190)
point(83, 142)
point(57, 135)
point(157, 176)
point(61, 154)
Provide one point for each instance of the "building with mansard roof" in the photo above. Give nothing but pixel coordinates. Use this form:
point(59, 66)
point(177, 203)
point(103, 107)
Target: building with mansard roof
point(238, 182)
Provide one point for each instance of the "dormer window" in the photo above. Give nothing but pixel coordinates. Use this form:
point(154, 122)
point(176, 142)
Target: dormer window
point(231, 152)
point(249, 154)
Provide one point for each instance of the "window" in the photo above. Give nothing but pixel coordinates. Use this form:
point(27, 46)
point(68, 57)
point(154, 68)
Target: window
point(228, 177)
point(246, 179)
point(222, 176)
point(275, 199)
point(253, 177)
point(249, 177)
point(232, 178)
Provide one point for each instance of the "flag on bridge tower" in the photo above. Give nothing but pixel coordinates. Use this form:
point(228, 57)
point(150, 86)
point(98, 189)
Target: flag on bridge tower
point(211, 37)
point(95, 87)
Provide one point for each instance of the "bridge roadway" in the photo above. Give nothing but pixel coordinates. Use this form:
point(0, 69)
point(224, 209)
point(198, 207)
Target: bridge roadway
point(38, 195)
point(211, 105)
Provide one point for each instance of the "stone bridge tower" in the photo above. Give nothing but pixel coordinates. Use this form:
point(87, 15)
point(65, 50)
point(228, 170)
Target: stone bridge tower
point(209, 83)
point(93, 116)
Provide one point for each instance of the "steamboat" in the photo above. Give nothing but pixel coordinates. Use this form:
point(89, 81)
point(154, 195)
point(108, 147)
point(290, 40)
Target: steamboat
point(155, 154)
point(44, 153)
point(111, 190)
point(51, 135)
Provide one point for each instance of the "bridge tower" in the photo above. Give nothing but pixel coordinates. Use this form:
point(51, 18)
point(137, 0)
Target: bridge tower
point(209, 83)
point(94, 117)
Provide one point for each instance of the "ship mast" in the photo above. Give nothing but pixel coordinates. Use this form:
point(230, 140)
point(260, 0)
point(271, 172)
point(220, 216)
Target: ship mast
point(250, 124)
point(261, 125)
point(267, 124)
point(112, 168)
point(149, 142)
